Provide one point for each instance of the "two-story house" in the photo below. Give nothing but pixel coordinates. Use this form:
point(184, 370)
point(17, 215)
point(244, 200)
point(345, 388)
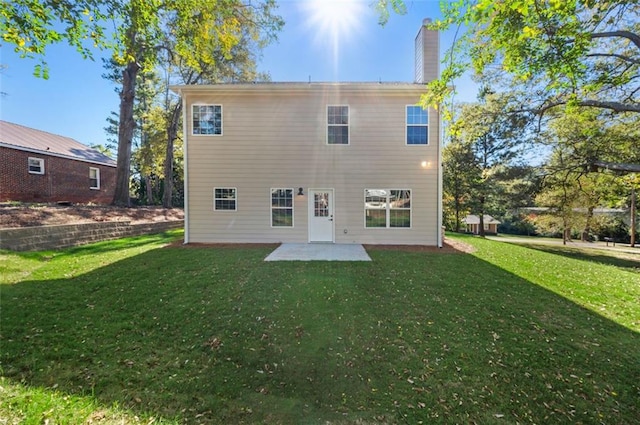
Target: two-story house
point(314, 162)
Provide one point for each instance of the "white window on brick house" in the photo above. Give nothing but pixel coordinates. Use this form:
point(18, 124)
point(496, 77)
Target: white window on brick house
point(36, 165)
point(94, 178)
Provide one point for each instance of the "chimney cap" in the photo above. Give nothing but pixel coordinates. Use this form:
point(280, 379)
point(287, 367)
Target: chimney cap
point(426, 21)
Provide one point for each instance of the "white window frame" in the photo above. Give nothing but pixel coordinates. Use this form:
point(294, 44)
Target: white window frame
point(97, 178)
point(347, 125)
point(193, 115)
point(407, 125)
point(215, 199)
point(388, 208)
point(40, 162)
point(292, 208)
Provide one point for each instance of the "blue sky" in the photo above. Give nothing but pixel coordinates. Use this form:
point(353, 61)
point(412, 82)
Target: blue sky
point(75, 101)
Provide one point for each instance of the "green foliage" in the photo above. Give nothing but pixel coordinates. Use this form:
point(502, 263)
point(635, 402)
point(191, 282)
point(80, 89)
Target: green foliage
point(32, 25)
point(580, 138)
point(578, 52)
point(383, 8)
point(486, 141)
point(133, 331)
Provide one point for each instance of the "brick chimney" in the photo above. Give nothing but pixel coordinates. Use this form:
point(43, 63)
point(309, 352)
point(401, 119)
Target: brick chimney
point(427, 54)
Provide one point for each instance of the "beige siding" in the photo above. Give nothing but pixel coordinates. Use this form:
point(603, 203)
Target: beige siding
point(276, 138)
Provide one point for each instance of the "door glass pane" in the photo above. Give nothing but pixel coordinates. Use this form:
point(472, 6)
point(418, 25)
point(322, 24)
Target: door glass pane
point(321, 204)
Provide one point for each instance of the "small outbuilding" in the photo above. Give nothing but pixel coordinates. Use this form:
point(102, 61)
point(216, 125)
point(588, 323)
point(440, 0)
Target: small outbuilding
point(36, 166)
point(473, 224)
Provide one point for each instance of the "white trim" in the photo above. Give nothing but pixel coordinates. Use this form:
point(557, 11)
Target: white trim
point(97, 187)
point(311, 209)
point(348, 125)
point(221, 119)
point(185, 183)
point(235, 198)
point(406, 126)
point(57, 155)
point(439, 191)
point(293, 202)
point(40, 162)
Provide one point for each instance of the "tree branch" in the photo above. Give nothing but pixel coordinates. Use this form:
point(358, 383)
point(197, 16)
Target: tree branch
point(615, 55)
point(616, 166)
point(633, 37)
point(613, 106)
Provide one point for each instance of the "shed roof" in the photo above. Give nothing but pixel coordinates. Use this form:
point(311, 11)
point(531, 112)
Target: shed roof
point(474, 219)
point(19, 137)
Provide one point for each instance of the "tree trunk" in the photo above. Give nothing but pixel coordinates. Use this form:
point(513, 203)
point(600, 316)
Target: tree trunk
point(148, 189)
point(456, 204)
point(481, 225)
point(125, 134)
point(587, 226)
point(172, 135)
point(566, 231)
point(633, 217)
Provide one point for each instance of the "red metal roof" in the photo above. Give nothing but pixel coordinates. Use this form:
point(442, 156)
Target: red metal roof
point(29, 139)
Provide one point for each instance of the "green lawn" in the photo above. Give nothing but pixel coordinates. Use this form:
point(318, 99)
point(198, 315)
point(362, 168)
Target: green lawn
point(132, 331)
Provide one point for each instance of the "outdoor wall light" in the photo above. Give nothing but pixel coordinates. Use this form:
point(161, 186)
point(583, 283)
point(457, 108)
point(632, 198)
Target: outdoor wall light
point(300, 192)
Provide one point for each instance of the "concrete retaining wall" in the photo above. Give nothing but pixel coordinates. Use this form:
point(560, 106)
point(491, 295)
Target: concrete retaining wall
point(42, 238)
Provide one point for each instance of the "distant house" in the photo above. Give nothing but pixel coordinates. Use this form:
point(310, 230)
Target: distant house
point(473, 224)
point(314, 162)
point(36, 166)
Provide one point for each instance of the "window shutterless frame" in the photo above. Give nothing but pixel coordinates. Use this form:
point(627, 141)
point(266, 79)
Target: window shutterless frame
point(338, 125)
point(417, 125)
point(225, 199)
point(206, 120)
point(94, 178)
point(35, 165)
point(387, 208)
point(282, 200)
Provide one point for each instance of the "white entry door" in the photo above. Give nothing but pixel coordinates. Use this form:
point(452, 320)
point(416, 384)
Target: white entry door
point(321, 215)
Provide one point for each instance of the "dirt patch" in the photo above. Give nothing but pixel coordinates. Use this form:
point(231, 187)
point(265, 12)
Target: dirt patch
point(29, 215)
point(449, 247)
point(180, 244)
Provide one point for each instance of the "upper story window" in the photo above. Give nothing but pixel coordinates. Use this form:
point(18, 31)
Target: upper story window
point(207, 119)
point(225, 199)
point(417, 125)
point(94, 178)
point(282, 207)
point(36, 165)
point(338, 125)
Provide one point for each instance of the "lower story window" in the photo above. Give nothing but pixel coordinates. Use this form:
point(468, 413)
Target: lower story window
point(224, 199)
point(36, 166)
point(94, 178)
point(282, 207)
point(387, 208)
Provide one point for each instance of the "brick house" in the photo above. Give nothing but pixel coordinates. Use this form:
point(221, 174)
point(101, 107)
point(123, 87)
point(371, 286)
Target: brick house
point(36, 166)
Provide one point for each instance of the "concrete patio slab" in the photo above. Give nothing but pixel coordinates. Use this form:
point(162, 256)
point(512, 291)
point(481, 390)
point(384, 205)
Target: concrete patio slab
point(318, 252)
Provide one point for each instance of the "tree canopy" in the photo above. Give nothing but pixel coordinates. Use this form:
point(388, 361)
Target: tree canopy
point(568, 52)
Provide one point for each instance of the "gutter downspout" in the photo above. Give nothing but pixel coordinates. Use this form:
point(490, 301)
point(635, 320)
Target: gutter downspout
point(186, 166)
point(440, 231)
